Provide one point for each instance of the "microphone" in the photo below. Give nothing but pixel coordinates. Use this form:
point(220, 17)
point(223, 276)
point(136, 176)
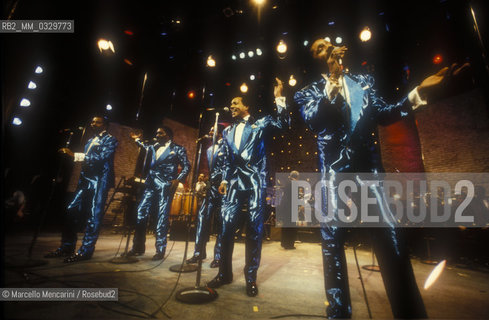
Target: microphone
point(224, 109)
point(203, 137)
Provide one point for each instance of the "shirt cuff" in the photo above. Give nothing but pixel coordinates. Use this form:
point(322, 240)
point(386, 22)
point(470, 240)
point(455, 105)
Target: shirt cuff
point(79, 157)
point(224, 181)
point(416, 99)
point(280, 101)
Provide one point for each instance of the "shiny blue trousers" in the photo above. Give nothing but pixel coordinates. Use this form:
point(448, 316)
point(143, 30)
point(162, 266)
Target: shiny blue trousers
point(87, 202)
point(232, 215)
point(210, 209)
point(161, 197)
point(392, 255)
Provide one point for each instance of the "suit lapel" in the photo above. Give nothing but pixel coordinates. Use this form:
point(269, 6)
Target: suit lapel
point(356, 94)
point(165, 153)
point(245, 136)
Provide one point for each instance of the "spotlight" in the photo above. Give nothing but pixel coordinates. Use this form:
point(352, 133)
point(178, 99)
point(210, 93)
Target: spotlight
point(339, 40)
point(32, 85)
point(437, 59)
point(16, 121)
point(108, 107)
point(25, 102)
point(365, 34)
point(191, 95)
point(105, 45)
point(243, 88)
point(252, 77)
point(259, 2)
point(233, 57)
point(306, 43)
point(258, 52)
point(242, 55)
point(39, 70)
point(327, 39)
point(292, 81)
point(211, 62)
point(251, 54)
point(281, 47)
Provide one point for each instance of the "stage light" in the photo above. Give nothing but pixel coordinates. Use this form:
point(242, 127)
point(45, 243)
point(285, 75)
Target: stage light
point(435, 274)
point(259, 52)
point(252, 77)
point(39, 70)
point(327, 39)
point(339, 40)
point(106, 45)
point(191, 95)
point(242, 55)
point(292, 81)
point(259, 2)
point(32, 85)
point(25, 102)
point(108, 107)
point(233, 57)
point(16, 121)
point(251, 54)
point(365, 34)
point(437, 59)
point(281, 47)
point(211, 62)
point(128, 62)
point(243, 88)
point(129, 32)
point(306, 43)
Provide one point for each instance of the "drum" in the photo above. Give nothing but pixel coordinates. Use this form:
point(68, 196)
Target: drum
point(187, 203)
point(176, 204)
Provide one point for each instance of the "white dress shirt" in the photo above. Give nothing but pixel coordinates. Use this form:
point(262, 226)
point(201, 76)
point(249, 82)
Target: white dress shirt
point(80, 156)
point(162, 149)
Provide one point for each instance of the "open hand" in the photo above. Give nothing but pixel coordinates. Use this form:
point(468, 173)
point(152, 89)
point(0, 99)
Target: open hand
point(434, 82)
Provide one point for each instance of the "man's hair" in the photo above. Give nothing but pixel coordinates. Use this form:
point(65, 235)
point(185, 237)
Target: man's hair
point(247, 101)
point(168, 131)
point(104, 118)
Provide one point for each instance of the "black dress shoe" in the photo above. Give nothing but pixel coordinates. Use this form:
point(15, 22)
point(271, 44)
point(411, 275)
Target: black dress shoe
point(58, 253)
point(251, 289)
point(194, 259)
point(134, 253)
point(158, 256)
point(218, 281)
point(77, 257)
point(214, 264)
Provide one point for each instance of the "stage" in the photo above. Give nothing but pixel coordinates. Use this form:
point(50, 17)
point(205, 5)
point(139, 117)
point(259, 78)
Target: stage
point(290, 283)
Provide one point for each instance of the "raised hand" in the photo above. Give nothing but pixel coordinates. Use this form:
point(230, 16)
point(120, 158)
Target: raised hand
point(278, 88)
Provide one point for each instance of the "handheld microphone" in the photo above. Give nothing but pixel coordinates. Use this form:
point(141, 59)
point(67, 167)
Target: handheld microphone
point(203, 137)
point(223, 109)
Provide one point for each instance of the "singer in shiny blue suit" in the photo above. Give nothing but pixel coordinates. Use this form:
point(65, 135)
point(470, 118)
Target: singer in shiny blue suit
point(244, 182)
point(96, 178)
point(344, 111)
point(160, 185)
point(211, 206)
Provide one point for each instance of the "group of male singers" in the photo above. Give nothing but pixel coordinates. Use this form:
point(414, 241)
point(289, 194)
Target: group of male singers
point(343, 109)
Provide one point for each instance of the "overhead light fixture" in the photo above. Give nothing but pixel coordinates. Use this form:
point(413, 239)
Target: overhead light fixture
point(259, 2)
point(242, 55)
point(338, 40)
point(16, 121)
point(327, 39)
point(252, 77)
point(292, 81)
point(233, 57)
point(211, 62)
point(243, 88)
point(258, 52)
point(281, 47)
point(25, 102)
point(306, 43)
point(251, 54)
point(39, 70)
point(105, 45)
point(32, 85)
point(365, 34)
point(108, 107)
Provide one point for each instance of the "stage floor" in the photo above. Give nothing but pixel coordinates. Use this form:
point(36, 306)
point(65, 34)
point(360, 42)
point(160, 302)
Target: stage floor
point(290, 283)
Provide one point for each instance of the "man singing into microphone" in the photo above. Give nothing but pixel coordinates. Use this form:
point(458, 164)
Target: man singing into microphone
point(344, 111)
point(96, 178)
point(161, 183)
point(244, 182)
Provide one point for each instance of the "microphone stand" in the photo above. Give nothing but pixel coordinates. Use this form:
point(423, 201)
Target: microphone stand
point(29, 262)
point(185, 267)
point(200, 294)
